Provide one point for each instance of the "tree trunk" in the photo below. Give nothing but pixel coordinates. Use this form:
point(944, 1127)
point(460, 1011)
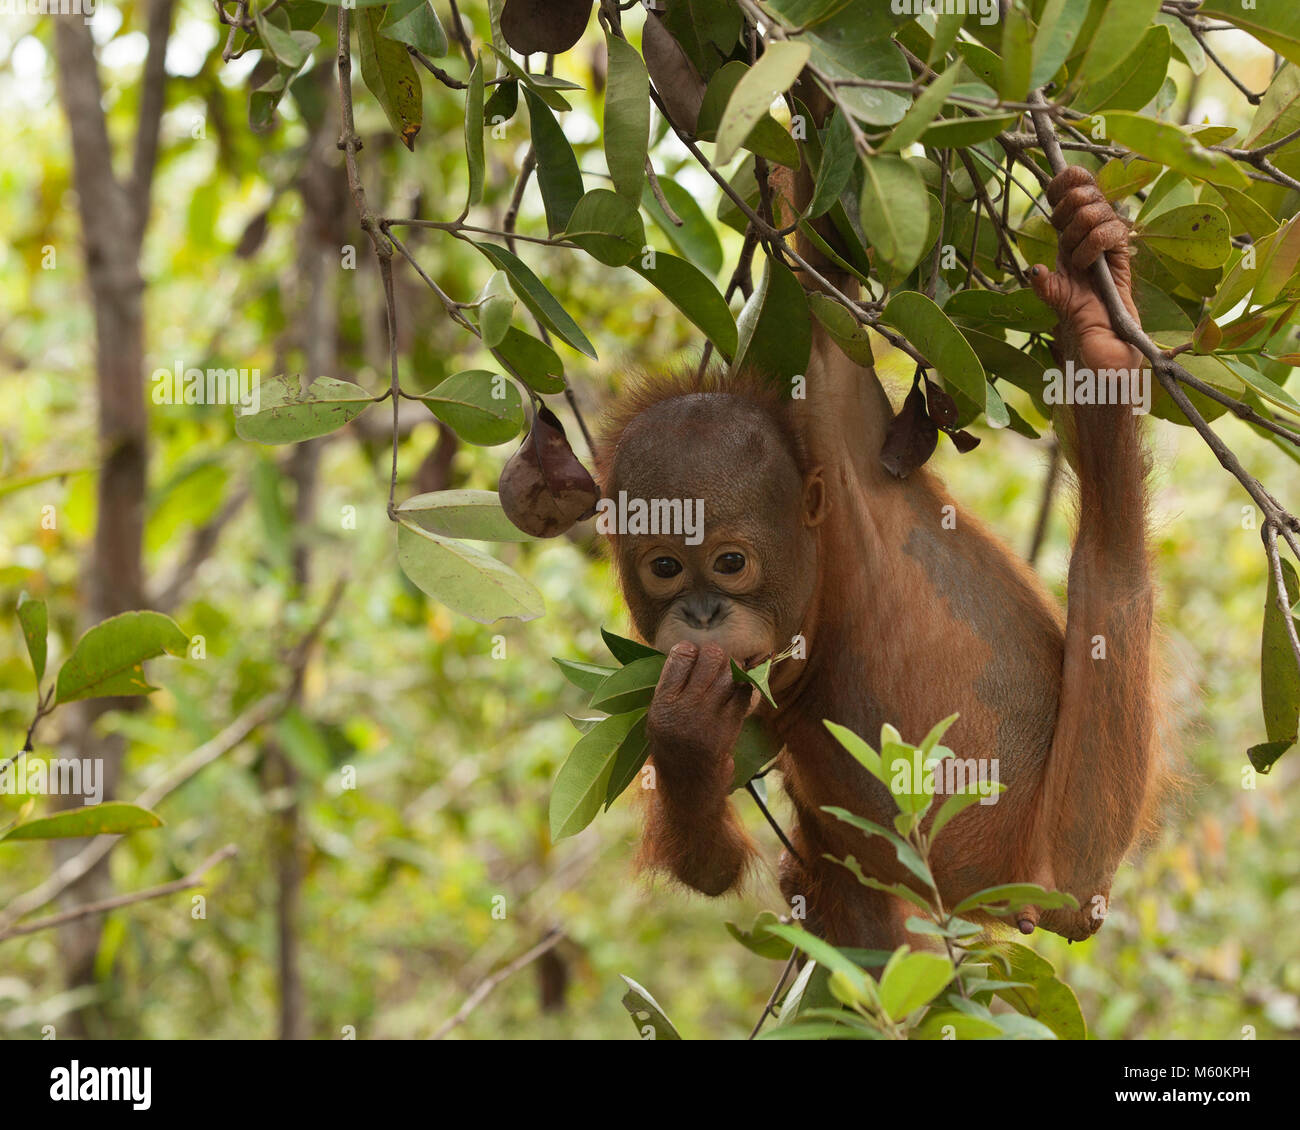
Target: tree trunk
point(113, 218)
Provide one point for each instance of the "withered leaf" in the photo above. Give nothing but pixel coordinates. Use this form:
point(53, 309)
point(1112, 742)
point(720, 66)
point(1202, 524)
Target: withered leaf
point(943, 409)
point(912, 437)
point(678, 82)
point(963, 441)
point(544, 488)
point(550, 26)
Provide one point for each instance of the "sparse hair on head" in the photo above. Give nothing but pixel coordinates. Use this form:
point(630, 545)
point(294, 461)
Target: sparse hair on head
point(644, 392)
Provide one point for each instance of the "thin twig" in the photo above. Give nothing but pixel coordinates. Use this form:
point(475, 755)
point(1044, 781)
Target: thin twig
point(549, 942)
point(758, 800)
point(194, 879)
point(776, 992)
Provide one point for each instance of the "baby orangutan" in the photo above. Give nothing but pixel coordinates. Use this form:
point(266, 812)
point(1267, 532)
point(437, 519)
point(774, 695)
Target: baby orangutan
point(907, 618)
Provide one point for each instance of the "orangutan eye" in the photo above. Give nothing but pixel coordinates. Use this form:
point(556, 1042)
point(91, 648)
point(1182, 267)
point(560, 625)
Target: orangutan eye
point(665, 567)
point(729, 563)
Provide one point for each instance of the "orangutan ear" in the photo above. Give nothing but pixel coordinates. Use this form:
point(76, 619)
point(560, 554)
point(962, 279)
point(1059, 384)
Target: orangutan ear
point(816, 505)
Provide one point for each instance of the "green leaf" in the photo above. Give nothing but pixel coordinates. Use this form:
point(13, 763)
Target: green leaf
point(957, 1025)
point(707, 30)
point(108, 660)
point(774, 328)
point(1247, 214)
point(695, 238)
point(755, 677)
point(474, 134)
point(1185, 44)
point(1197, 234)
point(768, 138)
point(607, 226)
point(758, 940)
point(862, 753)
point(1058, 29)
point(895, 226)
point(502, 103)
point(953, 806)
point(854, 42)
point(907, 855)
point(415, 22)
point(924, 110)
point(580, 786)
point(1049, 1000)
point(838, 159)
point(1276, 25)
point(849, 334)
point(1277, 264)
point(34, 621)
point(914, 981)
point(771, 76)
point(898, 890)
point(466, 580)
point(289, 414)
point(1118, 179)
point(472, 514)
point(482, 407)
point(960, 133)
point(825, 955)
point(585, 723)
point(113, 818)
point(1016, 310)
point(651, 1021)
point(390, 75)
point(1265, 755)
point(627, 118)
point(558, 175)
point(1268, 390)
point(495, 307)
point(532, 361)
point(264, 98)
point(624, 649)
point(630, 687)
point(628, 760)
point(546, 87)
point(919, 320)
point(280, 41)
point(1114, 35)
point(1135, 80)
point(1279, 677)
point(585, 676)
point(1017, 53)
point(753, 750)
point(693, 293)
point(1016, 896)
point(1170, 146)
point(537, 298)
point(792, 1005)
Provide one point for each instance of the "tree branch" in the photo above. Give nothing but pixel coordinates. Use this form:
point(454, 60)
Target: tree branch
point(193, 879)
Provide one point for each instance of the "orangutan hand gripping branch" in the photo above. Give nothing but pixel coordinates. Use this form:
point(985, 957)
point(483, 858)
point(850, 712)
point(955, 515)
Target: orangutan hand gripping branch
point(911, 610)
